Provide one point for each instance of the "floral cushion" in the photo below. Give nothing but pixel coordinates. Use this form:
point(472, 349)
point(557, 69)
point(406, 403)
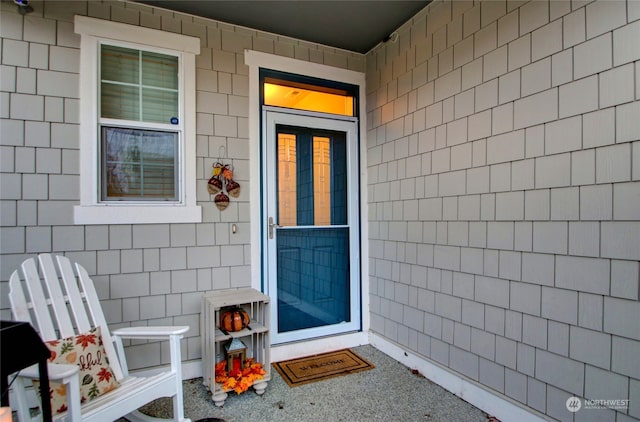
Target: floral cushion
point(87, 351)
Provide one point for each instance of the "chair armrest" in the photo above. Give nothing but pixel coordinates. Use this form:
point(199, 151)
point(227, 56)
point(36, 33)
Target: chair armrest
point(56, 371)
point(150, 333)
point(172, 333)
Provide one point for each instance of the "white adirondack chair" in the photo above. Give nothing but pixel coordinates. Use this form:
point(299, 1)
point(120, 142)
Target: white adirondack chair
point(68, 306)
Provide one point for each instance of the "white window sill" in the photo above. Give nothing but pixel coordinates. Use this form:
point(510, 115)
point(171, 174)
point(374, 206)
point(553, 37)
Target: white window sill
point(136, 214)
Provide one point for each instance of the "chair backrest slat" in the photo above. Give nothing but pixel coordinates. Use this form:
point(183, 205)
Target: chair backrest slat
point(93, 303)
point(19, 305)
point(39, 302)
point(56, 296)
point(73, 294)
point(81, 300)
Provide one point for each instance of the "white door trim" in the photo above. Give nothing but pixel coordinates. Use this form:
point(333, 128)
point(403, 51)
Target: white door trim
point(256, 60)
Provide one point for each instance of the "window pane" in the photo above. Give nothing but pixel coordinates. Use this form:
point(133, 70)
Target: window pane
point(158, 156)
point(138, 85)
point(139, 164)
point(159, 70)
point(120, 102)
point(119, 64)
point(159, 106)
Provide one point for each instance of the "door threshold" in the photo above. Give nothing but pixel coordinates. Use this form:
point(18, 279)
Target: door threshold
point(292, 350)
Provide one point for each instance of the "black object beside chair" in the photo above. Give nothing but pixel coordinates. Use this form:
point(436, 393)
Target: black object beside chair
point(21, 347)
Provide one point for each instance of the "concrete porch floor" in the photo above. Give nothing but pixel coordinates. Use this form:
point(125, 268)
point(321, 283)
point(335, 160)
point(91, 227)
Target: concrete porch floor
point(389, 392)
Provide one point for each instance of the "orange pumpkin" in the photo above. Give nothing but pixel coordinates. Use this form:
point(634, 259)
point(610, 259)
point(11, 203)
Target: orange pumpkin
point(234, 319)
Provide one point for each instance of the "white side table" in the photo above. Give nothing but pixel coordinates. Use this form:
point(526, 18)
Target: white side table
point(255, 336)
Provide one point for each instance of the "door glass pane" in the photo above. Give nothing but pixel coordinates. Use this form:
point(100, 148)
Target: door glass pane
point(312, 256)
point(321, 181)
point(287, 179)
point(313, 277)
point(312, 178)
point(139, 164)
point(339, 180)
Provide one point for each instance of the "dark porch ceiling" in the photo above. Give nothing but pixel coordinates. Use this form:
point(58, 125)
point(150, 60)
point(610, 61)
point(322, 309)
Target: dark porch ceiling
point(354, 25)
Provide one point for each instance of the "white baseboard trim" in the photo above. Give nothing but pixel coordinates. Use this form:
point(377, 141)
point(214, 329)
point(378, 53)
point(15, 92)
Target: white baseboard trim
point(494, 405)
point(191, 369)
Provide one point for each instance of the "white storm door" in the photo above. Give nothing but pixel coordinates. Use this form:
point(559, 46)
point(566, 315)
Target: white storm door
point(311, 225)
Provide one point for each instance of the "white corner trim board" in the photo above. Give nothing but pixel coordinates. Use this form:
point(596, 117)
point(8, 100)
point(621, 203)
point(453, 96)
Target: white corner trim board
point(494, 405)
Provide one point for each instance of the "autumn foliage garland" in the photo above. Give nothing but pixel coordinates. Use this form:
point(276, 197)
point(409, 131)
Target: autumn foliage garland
point(239, 379)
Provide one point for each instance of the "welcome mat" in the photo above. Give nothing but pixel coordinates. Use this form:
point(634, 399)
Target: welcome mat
point(319, 367)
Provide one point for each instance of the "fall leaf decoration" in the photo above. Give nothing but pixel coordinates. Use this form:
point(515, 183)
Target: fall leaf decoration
point(66, 346)
point(221, 183)
point(85, 339)
point(240, 379)
point(61, 389)
point(93, 391)
point(105, 375)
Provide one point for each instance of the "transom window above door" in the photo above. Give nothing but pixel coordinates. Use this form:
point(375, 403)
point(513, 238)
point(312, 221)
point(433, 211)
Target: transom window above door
point(302, 96)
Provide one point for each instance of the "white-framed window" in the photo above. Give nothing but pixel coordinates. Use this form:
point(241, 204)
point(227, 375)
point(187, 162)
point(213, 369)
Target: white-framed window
point(137, 125)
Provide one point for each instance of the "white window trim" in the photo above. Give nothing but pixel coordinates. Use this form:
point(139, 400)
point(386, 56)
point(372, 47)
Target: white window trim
point(91, 210)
